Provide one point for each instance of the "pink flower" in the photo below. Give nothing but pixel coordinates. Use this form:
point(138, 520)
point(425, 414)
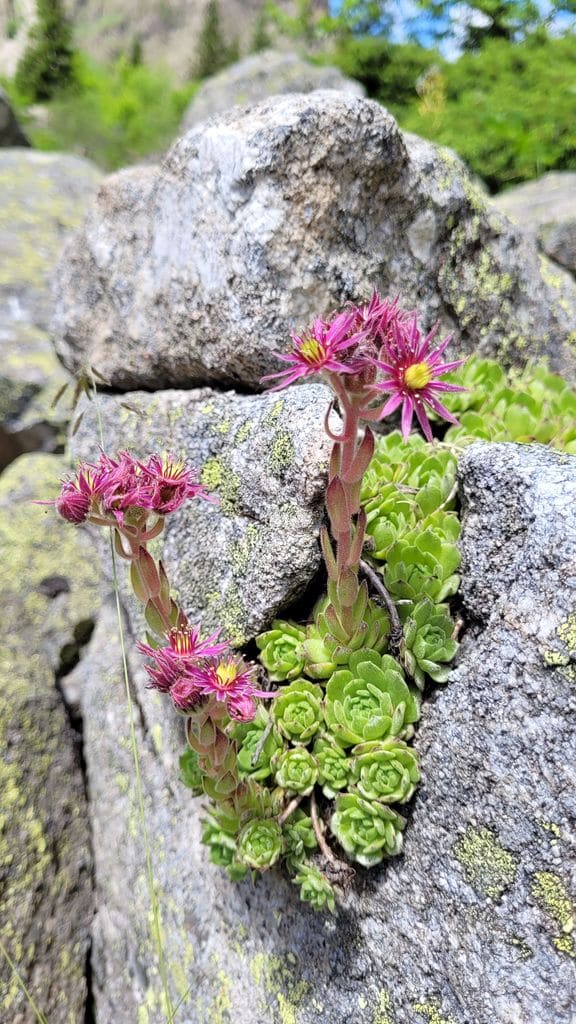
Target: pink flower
point(378, 316)
point(242, 708)
point(171, 483)
point(319, 349)
point(412, 373)
point(185, 694)
point(181, 657)
point(113, 485)
point(72, 504)
point(79, 495)
point(231, 680)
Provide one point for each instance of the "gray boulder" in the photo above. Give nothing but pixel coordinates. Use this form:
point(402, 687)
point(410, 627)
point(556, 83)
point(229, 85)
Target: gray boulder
point(265, 458)
point(42, 198)
point(48, 601)
point(546, 210)
point(261, 219)
point(473, 924)
point(259, 76)
point(11, 133)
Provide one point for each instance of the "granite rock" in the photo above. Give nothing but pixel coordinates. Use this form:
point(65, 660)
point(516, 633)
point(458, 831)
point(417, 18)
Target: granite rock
point(473, 924)
point(42, 198)
point(546, 210)
point(261, 219)
point(49, 598)
point(264, 74)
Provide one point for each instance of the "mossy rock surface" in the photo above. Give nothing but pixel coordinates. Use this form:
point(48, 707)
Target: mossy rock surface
point(474, 923)
point(43, 197)
point(48, 596)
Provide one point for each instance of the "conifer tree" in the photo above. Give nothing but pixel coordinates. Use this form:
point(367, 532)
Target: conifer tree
point(260, 37)
point(213, 52)
point(47, 64)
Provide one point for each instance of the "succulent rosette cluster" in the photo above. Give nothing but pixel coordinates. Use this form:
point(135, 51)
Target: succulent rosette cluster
point(306, 761)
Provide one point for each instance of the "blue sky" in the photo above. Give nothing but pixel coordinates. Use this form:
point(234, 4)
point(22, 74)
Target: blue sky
point(409, 17)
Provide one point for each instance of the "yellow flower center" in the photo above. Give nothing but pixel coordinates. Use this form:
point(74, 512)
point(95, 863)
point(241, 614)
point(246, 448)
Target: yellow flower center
point(226, 672)
point(418, 376)
point(312, 351)
point(172, 470)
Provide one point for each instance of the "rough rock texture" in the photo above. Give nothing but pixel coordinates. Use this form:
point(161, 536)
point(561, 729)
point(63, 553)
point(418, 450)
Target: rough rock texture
point(48, 596)
point(265, 458)
point(262, 219)
point(546, 209)
point(269, 73)
point(473, 925)
point(11, 133)
point(42, 197)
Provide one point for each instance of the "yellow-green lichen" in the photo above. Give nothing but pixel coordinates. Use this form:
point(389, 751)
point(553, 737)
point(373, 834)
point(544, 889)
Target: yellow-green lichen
point(564, 660)
point(216, 476)
point(384, 1013)
point(550, 826)
point(273, 413)
point(233, 617)
point(432, 1013)
point(281, 454)
point(211, 475)
point(458, 173)
point(36, 207)
point(242, 552)
point(36, 545)
point(277, 980)
point(489, 867)
point(221, 427)
point(243, 432)
point(550, 893)
point(567, 633)
point(219, 1009)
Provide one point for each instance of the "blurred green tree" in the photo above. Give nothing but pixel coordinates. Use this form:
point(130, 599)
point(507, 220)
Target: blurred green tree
point(213, 52)
point(47, 65)
point(261, 39)
point(477, 21)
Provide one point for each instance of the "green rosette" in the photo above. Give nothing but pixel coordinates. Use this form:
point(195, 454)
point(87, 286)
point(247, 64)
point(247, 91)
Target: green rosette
point(281, 650)
point(191, 775)
point(370, 701)
point(299, 836)
point(260, 843)
point(428, 643)
point(386, 771)
point(315, 889)
point(424, 563)
point(296, 770)
point(297, 710)
point(254, 756)
point(328, 646)
point(222, 849)
point(334, 767)
point(368, 831)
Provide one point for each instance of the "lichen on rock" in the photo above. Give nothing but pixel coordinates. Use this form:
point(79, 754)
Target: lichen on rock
point(45, 857)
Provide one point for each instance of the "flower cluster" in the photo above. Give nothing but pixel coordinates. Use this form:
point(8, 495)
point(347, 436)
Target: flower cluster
point(378, 349)
point(105, 491)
